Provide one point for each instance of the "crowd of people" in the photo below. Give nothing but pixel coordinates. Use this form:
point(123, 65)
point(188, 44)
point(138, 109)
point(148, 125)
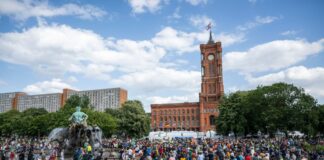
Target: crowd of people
point(28, 149)
point(224, 149)
point(170, 149)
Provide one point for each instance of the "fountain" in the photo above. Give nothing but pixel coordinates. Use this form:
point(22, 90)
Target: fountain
point(77, 134)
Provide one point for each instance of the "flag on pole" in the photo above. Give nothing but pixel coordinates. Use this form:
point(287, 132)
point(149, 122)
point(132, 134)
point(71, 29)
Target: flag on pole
point(208, 27)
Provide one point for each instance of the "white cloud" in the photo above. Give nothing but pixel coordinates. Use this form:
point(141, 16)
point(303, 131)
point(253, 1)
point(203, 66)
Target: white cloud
point(311, 79)
point(161, 79)
point(50, 49)
point(184, 42)
point(228, 39)
point(176, 14)
point(60, 49)
point(265, 20)
point(172, 39)
point(53, 86)
point(197, 2)
point(72, 79)
point(201, 21)
point(24, 9)
point(173, 99)
point(139, 66)
point(272, 55)
point(289, 33)
point(141, 6)
point(257, 22)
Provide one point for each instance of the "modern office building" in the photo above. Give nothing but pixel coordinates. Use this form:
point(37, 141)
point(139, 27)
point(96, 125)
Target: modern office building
point(197, 116)
point(100, 99)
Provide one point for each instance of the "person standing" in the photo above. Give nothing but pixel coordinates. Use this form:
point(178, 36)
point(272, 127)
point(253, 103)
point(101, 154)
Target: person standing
point(30, 155)
point(255, 156)
point(248, 157)
point(200, 156)
point(21, 155)
point(77, 154)
point(12, 155)
point(210, 154)
point(62, 154)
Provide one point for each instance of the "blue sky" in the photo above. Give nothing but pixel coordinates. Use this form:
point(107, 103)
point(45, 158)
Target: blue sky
point(151, 47)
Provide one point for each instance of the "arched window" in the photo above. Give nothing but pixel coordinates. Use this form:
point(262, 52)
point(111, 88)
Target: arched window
point(212, 120)
point(202, 71)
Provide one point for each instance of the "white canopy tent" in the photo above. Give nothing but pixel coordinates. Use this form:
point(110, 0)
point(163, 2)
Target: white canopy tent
point(161, 135)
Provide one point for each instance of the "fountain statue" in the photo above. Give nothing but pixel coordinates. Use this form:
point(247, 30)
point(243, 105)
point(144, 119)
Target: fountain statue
point(78, 118)
point(77, 134)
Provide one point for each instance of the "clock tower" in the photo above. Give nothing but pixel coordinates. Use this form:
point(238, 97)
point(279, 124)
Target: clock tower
point(196, 116)
point(212, 87)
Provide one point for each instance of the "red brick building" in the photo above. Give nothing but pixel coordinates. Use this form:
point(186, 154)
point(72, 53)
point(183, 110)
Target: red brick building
point(196, 116)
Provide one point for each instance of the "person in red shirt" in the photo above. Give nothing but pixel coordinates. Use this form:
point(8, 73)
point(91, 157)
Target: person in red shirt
point(248, 157)
point(12, 155)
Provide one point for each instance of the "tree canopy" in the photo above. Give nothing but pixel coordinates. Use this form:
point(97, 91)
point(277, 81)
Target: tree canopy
point(280, 106)
point(131, 119)
point(38, 122)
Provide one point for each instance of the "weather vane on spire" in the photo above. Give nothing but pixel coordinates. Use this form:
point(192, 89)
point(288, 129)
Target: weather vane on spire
point(208, 27)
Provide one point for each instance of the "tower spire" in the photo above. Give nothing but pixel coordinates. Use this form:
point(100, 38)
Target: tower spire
point(208, 27)
point(210, 41)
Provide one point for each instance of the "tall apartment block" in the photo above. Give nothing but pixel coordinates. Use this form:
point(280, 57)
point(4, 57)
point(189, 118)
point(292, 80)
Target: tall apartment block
point(100, 99)
point(50, 102)
point(8, 101)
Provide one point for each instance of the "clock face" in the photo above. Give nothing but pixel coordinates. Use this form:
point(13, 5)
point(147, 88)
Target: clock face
point(210, 57)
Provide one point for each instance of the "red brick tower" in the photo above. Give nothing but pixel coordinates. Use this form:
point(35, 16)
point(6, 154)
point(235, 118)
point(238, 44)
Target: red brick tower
point(212, 87)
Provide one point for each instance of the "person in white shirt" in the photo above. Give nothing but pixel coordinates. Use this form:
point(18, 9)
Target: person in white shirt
point(201, 156)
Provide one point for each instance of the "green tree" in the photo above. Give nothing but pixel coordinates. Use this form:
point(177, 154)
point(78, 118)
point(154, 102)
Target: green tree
point(9, 122)
point(30, 122)
point(320, 125)
point(280, 106)
point(76, 100)
point(287, 106)
point(38, 122)
point(131, 119)
point(232, 117)
point(105, 121)
point(73, 101)
point(85, 102)
point(34, 112)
